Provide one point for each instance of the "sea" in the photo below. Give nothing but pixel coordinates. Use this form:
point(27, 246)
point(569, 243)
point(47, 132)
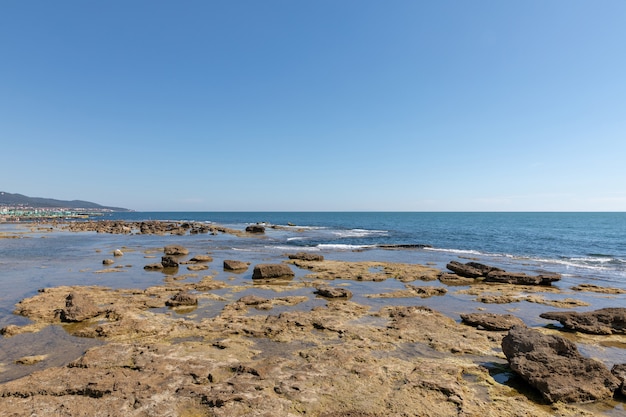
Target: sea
point(585, 248)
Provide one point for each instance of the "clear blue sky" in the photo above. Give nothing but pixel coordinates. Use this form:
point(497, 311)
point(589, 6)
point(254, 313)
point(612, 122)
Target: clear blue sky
point(316, 105)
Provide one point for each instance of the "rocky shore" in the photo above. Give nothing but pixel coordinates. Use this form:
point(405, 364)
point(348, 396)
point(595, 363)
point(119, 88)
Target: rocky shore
point(272, 354)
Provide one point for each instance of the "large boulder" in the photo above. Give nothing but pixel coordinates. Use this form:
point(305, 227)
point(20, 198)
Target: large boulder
point(78, 307)
point(553, 365)
point(269, 271)
point(603, 321)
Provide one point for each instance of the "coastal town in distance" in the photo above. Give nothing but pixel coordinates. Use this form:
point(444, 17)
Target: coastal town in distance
point(17, 207)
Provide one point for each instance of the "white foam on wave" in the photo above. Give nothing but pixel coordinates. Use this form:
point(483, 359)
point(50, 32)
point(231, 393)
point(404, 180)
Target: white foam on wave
point(359, 233)
point(294, 248)
point(332, 246)
point(459, 251)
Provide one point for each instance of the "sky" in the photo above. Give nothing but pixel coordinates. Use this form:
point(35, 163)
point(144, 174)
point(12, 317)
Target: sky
point(326, 105)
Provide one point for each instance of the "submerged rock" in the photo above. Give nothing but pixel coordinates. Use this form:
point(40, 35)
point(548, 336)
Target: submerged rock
point(553, 365)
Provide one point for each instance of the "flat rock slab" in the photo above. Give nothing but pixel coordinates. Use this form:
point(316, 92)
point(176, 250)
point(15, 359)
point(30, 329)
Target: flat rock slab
point(269, 271)
point(491, 321)
point(232, 265)
point(604, 321)
point(175, 250)
point(553, 365)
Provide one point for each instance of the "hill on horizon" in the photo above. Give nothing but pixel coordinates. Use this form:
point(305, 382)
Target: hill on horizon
point(9, 199)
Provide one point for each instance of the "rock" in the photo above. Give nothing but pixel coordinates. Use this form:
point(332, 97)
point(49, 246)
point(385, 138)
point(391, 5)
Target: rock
point(520, 278)
point(553, 365)
point(491, 321)
point(200, 267)
point(604, 321)
point(598, 289)
point(305, 256)
point(118, 252)
point(253, 300)
point(202, 258)
point(454, 279)
point(108, 262)
point(183, 298)
point(154, 267)
point(620, 372)
point(31, 360)
point(231, 265)
point(175, 250)
point(169, 262)
point(470, 269)
point(268, 271)
point(255, 228)
point(464, 270)
point(333, 292)
point(78, 307)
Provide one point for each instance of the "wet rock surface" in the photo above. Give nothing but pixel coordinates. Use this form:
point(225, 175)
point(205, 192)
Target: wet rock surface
point(604, 321)
point(493, 274)
point(271, 271)
point(553, 365)
point(491, 321)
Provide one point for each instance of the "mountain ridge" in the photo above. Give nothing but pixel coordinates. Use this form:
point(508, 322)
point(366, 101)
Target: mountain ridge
point(9, 199)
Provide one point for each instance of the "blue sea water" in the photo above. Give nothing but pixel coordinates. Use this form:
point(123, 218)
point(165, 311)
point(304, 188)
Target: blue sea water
point(588, 245)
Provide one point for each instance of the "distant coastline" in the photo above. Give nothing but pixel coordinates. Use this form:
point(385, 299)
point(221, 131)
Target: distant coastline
point(18, 207)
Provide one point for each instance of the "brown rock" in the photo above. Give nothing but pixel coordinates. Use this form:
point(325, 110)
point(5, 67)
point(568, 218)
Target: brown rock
point(78, 307)
point(491, 321)
point(255, 228)
point(553, 365)
point(620, 372)
point(169, 262)
point(470, 269)
point(520, 278)
point(154, 267)
point(183, 298)
point(268, 271)
point(108, 262)
point(202, 258)
point(306, 256)
point(231, 265)
point(333, 292)
point(175, 250)
point(603, 321)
